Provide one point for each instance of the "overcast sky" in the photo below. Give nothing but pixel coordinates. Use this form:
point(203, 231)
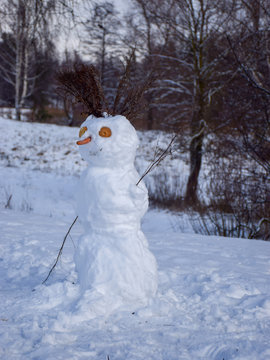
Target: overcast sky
point(122, 5)
point(71, 40)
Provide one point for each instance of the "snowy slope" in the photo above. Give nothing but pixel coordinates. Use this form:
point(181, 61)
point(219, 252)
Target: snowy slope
point(52, 148)
point(214, 293)
point(49, 148)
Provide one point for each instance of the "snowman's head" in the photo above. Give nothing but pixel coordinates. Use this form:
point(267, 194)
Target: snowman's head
point(109, 141)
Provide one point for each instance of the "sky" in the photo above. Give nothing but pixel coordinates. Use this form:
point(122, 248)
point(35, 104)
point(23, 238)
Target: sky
point(71, 40)
point(122, 5)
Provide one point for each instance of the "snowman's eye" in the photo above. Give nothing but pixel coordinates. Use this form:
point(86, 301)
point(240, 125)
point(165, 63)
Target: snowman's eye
point(105, 132)
point(82, 131)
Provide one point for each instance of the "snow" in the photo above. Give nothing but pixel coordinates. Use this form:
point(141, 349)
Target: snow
point(10, 113)
point(213, 299)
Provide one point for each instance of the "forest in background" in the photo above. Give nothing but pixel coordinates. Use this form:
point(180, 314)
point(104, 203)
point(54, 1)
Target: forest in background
point(210, 64)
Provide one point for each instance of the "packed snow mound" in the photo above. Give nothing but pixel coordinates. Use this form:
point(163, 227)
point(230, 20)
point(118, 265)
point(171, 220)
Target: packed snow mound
point(115, 267)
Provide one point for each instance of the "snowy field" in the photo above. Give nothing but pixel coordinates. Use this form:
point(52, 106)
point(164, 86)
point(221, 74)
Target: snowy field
point(213, 301)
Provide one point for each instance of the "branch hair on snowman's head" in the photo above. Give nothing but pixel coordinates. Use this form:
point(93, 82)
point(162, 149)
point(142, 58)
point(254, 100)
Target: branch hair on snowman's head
point(81, 84)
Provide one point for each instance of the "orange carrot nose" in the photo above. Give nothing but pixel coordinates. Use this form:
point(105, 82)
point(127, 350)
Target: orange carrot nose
point(84, 141)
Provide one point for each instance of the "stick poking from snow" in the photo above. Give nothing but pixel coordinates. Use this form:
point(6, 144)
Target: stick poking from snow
point(60, 250)
point(158, 160)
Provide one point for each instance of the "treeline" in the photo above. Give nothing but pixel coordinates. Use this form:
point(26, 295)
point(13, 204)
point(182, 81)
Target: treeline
point(211, 63)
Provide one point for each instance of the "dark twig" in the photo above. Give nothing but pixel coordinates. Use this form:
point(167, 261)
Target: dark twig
point(158, 160)
point(7, 206)
point(255, 232)
point(83, 84)
point(129, 99)
point(124, 83)
point(250, 79)
point(60, 251)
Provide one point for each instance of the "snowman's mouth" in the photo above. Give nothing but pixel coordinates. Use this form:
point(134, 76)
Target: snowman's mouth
point(84, 141)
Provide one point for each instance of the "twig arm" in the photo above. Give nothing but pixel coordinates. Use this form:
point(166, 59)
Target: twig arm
point(158, 160)
point(60, 251)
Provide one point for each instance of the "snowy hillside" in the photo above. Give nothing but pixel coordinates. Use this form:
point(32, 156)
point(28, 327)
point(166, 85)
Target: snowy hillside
point(213, 301)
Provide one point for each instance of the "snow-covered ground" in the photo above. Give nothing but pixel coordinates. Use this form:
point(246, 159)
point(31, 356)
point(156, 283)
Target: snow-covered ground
point(214, 293)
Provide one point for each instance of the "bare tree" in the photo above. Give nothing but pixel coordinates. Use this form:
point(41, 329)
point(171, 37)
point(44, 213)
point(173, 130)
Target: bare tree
point(148, 35)
point(193, 70)
point(27, 23)
point(101, 35)
point(251, 55)
point(22, 20)
point(238, 193)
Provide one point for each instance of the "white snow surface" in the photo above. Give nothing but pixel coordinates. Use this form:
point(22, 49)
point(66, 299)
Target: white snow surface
point(213, 299)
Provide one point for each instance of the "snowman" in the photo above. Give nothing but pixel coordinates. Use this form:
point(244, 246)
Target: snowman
point(114, 264)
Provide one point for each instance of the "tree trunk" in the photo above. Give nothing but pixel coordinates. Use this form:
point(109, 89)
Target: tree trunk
point(103, 55)
point(18, 65)
point(195, 151)
point(150, 118)
point(25, 79)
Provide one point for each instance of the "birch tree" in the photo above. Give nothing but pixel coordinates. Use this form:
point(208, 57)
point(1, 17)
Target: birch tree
point(27, 22)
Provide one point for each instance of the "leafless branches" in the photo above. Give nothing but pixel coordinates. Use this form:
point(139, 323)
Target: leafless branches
point(83, 84)
point(129, 93)
point(250, 76)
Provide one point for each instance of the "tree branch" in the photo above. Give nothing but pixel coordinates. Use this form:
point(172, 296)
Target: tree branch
point(60, 251)
point(246, 73)
point(158, 160)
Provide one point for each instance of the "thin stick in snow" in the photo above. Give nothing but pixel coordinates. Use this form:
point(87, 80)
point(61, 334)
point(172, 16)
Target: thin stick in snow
point(158, 160)
point(60, 250)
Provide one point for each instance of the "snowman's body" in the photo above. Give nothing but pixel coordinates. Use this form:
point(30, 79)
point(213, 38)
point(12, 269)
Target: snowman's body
point(112, 258)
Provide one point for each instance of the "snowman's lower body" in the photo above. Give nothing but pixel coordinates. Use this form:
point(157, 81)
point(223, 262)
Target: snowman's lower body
point(115, 270)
